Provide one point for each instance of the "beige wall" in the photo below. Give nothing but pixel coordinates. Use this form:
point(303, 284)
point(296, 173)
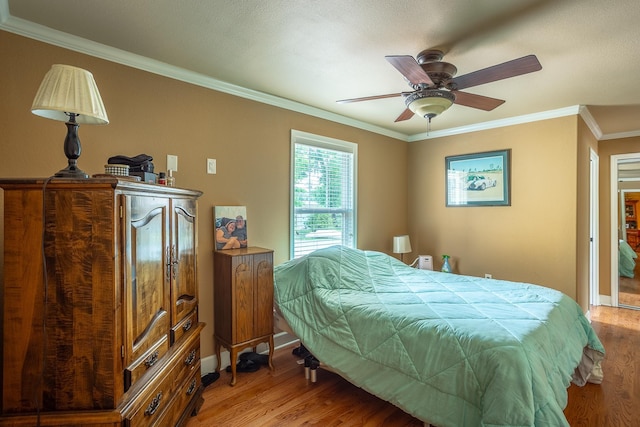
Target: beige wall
point(533, 240)
point(541, 238)
point(159, 116)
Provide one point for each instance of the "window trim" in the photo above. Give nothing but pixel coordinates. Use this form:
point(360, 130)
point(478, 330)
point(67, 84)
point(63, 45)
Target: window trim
point(299, 137)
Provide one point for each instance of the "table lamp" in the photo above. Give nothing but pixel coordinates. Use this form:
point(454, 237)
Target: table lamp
point(401, 245)
point(70, 94)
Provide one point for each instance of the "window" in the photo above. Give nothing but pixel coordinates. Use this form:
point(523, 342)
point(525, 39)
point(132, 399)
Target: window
point(323, 193)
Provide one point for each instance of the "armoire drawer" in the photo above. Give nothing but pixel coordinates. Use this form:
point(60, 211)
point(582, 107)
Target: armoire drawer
point(189, 357)
point(148, 360)
point(185, 325)
point(180, 365)
point(153, 402)
point(182, 395)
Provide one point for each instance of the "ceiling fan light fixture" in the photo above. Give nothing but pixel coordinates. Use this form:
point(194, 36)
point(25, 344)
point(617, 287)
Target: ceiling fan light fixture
point(429, 103)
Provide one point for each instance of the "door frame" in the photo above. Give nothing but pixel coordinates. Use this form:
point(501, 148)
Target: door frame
point(614, 218)
point(594, 236)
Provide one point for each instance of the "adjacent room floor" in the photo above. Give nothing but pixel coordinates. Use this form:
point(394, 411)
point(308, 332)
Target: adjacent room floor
point(629, 288)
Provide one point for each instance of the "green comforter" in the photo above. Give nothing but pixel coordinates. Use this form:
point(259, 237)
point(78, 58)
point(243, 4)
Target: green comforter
point(451, 350)
point(626, 260)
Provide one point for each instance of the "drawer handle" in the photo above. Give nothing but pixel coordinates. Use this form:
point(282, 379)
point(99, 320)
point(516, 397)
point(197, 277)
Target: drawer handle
point(192, 388)
point(187, 325)
point(190, 358)
point(154, 405)
point(151, 360)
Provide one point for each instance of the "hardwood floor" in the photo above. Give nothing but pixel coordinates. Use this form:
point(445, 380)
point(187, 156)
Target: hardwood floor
point(616, 401)
point(285, 398)
point(629, 288)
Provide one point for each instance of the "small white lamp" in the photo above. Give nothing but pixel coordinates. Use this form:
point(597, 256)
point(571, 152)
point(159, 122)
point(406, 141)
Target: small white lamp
point(401, 245)
point(69, 94)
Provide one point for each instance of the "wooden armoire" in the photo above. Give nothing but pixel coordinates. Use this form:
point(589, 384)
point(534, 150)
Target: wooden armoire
point(99, 303)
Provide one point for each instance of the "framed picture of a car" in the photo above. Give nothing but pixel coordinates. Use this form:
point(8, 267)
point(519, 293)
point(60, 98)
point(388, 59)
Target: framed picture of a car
point(479, 179)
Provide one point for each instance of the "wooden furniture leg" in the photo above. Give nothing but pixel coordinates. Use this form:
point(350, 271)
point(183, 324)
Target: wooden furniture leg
point(233, 358)
point(271, 353)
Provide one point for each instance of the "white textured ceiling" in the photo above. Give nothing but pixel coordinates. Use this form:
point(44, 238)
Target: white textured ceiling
point(315, 52)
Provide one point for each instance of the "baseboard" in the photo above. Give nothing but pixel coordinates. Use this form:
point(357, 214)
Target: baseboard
point(282, 339)
point(208, 364)
point(605, 300)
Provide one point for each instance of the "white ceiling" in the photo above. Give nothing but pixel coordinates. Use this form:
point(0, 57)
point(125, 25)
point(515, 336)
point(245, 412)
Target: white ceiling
point(314, 52)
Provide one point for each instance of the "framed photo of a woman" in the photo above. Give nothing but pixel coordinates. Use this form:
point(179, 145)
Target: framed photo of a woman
point(230, 227)
point(479, 179)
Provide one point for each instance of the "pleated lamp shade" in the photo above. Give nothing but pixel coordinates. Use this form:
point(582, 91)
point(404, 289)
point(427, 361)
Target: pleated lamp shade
point(66, 89)
point(401, 244)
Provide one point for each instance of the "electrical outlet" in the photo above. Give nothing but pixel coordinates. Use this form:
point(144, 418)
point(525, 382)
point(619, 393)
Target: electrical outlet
point(425, 262)
point(172, 162)
point(211, 166)
point(488, 276)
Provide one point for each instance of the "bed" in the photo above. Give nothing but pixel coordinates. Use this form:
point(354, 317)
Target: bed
point(626, 259)
point(450, 350)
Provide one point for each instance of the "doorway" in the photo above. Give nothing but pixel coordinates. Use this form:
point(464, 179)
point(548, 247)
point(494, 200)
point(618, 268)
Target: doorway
point(629, 248)
point(594, 238)
point(625, 230)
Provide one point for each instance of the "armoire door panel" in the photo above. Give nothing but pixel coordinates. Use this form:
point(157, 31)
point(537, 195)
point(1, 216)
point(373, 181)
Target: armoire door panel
point(183, 252)
point(148, 262)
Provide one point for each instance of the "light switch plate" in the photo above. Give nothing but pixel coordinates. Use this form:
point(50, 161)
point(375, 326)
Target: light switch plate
point(211, 166)
point(172, 162)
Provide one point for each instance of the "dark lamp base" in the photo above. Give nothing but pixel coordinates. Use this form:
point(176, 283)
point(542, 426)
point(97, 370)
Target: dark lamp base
point(72, 150)
point(71, 173)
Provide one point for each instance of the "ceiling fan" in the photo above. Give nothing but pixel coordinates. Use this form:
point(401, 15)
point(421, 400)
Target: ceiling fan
point(435, 88)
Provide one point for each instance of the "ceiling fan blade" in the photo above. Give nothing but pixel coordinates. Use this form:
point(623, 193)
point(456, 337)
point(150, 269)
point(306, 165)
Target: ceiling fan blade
point(406, 115)
point(516, 67)
point(410, 69)
point(476, 101)
point(368, 98)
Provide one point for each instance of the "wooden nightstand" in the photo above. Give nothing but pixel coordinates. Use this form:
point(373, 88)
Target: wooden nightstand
point(243, 301)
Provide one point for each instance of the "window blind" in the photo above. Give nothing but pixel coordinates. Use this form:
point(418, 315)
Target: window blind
point(323, 194)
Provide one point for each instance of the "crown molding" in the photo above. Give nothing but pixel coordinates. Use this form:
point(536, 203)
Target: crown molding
point(493, 124)
point(597, 132)
point(620, 135)
point(590, 122)
point(61, 39)
point(91, 48)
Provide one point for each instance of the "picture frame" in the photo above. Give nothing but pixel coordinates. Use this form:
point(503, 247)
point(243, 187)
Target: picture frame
point(478, 179)
point(230, 227)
